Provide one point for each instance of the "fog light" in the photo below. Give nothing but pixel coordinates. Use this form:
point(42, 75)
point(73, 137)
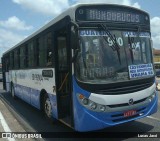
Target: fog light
point(93, 106)
point(85, 101)
point(102, 108)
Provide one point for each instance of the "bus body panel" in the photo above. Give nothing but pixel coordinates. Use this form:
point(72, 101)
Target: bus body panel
point(28, 85)
point(86, 119)
point(124, 98)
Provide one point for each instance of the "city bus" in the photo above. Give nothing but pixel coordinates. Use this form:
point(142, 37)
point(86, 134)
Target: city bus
point(157, 68)
point(91, 67)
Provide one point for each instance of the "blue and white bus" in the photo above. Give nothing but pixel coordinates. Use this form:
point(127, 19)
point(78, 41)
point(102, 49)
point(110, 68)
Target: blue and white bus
point(90, 68)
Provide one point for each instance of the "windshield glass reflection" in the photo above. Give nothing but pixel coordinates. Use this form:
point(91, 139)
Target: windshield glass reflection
point(106, 59)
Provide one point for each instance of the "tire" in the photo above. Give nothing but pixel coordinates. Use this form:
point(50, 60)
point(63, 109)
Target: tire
point(47, 107)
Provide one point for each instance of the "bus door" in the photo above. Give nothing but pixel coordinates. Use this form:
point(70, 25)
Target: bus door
point(5, 72)
point(63, 75)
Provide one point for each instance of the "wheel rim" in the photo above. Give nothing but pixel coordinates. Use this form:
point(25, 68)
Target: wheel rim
point(48, 108)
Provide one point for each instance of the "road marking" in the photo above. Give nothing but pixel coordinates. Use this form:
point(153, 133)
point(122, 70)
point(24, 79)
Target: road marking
point(5, 126)
point(153, 118)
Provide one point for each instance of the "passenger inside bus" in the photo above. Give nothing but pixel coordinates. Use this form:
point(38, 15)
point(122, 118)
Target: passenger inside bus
point(49, 59)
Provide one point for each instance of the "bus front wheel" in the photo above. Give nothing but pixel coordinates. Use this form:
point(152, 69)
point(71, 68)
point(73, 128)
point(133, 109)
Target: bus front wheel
point(47, 107)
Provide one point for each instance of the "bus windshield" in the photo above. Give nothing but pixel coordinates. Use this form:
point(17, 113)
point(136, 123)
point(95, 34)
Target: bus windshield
point(112, 56)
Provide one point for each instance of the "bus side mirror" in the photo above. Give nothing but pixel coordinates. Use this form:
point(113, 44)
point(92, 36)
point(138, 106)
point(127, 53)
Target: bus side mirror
point(75, 55)
point(74, 39)
point(74, 35)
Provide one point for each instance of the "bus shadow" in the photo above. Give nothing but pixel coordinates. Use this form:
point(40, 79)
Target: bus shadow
point(39, 123)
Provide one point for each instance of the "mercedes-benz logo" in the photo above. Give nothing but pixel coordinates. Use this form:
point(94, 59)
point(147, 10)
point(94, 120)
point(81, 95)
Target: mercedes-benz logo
point(131, 101)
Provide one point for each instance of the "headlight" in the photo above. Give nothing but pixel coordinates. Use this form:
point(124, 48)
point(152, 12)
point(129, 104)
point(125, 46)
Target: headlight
point(85, 101)
point(93, 105)
point(152, 96)
point(102, 108)
point(89, 104)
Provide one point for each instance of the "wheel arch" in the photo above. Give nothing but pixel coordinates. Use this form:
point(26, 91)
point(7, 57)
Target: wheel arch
point(43, 93)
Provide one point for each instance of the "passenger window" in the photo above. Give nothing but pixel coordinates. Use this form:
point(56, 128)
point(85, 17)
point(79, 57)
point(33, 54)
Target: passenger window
point(42, 52)
point(16, 58)
point(11, 60)
point(24, 57)
point(31, 54)
point(48, 46)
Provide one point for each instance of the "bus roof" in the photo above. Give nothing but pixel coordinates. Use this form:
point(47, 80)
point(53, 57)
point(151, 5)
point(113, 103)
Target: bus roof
point(69, 12)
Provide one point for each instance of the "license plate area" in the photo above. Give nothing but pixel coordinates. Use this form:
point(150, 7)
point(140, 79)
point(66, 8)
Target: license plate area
point(129, 113)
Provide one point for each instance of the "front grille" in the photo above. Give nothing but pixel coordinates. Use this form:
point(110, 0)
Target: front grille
point(126, 104)
point(125, 89)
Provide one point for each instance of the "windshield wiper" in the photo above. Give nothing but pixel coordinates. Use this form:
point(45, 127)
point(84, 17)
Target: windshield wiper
point(115, 46)
point(130, 40)
point(133, 44)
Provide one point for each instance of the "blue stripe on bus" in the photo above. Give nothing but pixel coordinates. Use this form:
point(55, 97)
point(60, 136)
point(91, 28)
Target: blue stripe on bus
point(86, 120)
point(32, 97)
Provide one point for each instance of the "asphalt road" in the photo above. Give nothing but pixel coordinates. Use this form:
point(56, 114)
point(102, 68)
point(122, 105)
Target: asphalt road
point(32, 120)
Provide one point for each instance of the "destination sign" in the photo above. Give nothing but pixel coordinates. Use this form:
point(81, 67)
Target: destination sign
point(119, 16)
point(110, 13)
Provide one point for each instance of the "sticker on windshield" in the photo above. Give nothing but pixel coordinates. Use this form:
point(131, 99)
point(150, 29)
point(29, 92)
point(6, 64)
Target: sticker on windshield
point(141, 70)
point(91, 32)
point(100, 33)
point(136, 34)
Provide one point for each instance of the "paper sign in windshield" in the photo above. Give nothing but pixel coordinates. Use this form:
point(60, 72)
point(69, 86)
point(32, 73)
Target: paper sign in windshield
point(142, 70)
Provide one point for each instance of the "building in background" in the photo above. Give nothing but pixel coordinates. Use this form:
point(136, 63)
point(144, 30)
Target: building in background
point(156, 54)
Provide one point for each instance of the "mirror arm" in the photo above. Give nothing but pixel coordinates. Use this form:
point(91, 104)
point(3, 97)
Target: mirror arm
point(74, 24)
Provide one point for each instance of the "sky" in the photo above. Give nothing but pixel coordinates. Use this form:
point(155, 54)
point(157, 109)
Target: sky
point(21, 18)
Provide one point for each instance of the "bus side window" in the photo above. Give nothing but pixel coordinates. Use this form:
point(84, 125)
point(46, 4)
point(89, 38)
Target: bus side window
point(49, 48)
point(16, 58)
point(26, 61)
point(42, 52)
point(36, 53)
point(11, 60)
point(6, 63)
point(31, 54)
point(22, 57)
